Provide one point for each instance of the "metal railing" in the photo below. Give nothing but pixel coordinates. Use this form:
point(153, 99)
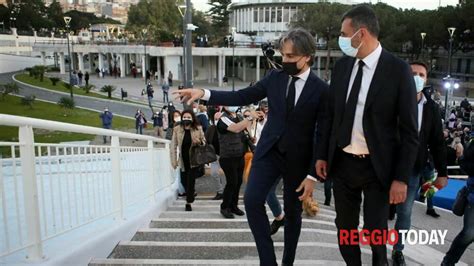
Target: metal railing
point(49, 189)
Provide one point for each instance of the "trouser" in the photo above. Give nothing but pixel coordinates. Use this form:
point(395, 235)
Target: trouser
point(139, 129)
point(233, 170)
point(160, 132)
point(353, 176)
point(463, 239)
point(190, 177)
point(165, 97)
point(106, 127)
point(220, 179)
point(327, 190)
point(263, 175)
point(272, 200)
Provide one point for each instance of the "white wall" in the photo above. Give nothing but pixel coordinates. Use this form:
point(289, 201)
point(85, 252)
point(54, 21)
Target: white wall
point(10, 63)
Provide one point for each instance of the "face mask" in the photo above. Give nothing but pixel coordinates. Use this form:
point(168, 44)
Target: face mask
point(419, 82)
point(177, 119)
point(291, 68)
point(195, 110)
point(187, 122)
point(232, 109)
point(346, 46)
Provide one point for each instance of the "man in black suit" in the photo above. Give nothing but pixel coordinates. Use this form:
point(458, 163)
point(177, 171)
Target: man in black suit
point(369, 145)
point(286, 145)
point(431, 139)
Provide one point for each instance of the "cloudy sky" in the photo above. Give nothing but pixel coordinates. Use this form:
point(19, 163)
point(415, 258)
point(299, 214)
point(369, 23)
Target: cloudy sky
point(417, 4)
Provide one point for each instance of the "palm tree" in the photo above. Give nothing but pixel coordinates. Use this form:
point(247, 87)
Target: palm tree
point(109, 89)
point(88, 88)
point(8, 88)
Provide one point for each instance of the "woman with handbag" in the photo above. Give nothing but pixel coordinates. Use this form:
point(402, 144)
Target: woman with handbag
point(232, 144)
point(466, 236)
point(186, 135)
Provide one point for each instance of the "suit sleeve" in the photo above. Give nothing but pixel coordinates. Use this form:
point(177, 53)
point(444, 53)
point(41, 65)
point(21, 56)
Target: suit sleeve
point(436, 143)
point(407, 125)
point(325, 120)
point(242, 97)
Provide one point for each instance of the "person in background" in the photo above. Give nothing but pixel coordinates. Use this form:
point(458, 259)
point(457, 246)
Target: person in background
point(79, 77)
point(175, 120)
point(201, 115)
point(86, 78)
point(452, 119)
point(186, 135)
point(170, 78)
point(158, 123)
point(140, 121)
point(213, 139)
point(149, 93)
point(165, 87)
point(106, 118)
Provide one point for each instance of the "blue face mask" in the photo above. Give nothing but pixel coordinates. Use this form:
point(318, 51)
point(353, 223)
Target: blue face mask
point(232, 109)
point(419, 82)
point(346, 46)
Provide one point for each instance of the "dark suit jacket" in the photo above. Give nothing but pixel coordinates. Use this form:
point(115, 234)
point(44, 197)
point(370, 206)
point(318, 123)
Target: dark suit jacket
point(389, 120)
point(297, 130)
point(431, 139)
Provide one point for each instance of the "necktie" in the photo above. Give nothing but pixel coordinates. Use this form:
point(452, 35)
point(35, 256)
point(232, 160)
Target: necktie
point(290, 98)
point(345, 132)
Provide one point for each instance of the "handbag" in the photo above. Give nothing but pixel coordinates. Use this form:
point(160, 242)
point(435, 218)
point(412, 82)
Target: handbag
point(460, 202)
point(202, 154)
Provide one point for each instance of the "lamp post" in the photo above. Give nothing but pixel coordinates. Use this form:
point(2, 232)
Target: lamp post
point(183, 58)
point(423, 35)
point(67, 20)
point(144, 32)
point(448, 80)
point(233, 58)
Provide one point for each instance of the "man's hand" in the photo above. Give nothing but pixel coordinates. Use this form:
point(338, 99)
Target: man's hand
point(398, 192)
point(188, 95)
point(321, 169)
point(441, 182)
point(307, 186)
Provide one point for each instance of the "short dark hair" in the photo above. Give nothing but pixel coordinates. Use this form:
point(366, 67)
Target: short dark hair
point(363, 16)
point(420, 63)
point(303, 42)
point(195, 123)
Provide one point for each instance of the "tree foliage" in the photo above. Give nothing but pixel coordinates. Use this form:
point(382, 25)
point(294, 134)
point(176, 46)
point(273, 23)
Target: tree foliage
point(219, 13)
point(8, 88)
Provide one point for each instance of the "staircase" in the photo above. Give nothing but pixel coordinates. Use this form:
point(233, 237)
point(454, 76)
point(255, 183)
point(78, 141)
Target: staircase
point(204, 237)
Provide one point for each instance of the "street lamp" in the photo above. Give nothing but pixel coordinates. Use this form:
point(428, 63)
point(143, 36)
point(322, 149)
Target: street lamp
point(233, 57)
point(182, 11)
point(423, 35)
point(144, 31)
point(448, 80)
point(67, 20)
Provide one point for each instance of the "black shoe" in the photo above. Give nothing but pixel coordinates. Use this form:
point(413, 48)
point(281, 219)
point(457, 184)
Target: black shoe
point(276, 225)
point(218, 196)
point(227, 213)
point(432, 213)
point(327, 203)
point(237, 211)
point(397, 258)
point(188, 207)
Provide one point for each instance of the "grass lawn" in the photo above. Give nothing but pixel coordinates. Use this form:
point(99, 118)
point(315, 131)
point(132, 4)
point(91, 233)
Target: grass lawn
point(49, 111)
point(46, 83)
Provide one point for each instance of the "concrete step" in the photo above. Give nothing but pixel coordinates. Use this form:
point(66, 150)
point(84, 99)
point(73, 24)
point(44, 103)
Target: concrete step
point(223, 223)
point(229, 234)
point(216, 215)
point(152, 262)
point(210, 208)
point(222, 251)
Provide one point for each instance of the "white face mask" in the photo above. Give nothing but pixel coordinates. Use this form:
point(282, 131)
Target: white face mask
point(195, 110)
point(177, 119)
point(346, 46)
point(232, 109)
point(419, 82)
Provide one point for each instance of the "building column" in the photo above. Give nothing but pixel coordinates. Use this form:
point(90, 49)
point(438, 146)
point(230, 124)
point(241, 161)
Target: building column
point(143, 66)
point(72, 62)
point(220, 74)
point(257, 69)
point(62, 65)
point(158, 68)
point(43, 58)
point(244, 69)
point(319, 66)
point(91, 62)
point(209, 69)
point(80, 56)
point(101, 62)
point(122, 65)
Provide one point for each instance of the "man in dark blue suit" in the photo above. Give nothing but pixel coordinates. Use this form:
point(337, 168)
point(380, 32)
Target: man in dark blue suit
point(286, 144)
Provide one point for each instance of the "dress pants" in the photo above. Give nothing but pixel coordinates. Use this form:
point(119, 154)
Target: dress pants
point(233, 169)
point(263, 174)
point(353, 177)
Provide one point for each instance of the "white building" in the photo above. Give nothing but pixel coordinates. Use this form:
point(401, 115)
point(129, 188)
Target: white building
point(267, 19)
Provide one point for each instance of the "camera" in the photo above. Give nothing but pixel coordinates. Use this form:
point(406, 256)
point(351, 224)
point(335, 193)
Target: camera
point(268, 50)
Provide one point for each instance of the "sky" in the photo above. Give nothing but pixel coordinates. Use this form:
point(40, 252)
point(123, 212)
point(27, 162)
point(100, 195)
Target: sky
point(417, 4)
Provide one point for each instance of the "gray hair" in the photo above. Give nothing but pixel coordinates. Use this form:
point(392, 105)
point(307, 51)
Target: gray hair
point(303, 42)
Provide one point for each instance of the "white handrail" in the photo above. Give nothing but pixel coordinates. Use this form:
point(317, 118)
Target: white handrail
point(12, 120)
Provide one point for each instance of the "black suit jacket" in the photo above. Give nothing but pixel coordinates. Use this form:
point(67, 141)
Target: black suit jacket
point(389, 120)
point(431, 139)
point(297, 129)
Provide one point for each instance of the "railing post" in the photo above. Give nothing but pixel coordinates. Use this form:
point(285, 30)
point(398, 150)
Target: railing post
point(117, 195)
point(30, 193)
point(153, 169)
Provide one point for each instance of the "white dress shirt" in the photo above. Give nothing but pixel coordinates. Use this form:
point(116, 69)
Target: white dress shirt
point(358, 143)
point(421, 103)
point(299, 85)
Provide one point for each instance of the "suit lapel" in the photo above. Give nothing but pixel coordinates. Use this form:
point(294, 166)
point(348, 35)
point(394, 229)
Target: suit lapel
point(341, 93)
point(376, 83)
point(283, 92)
point(308, 90)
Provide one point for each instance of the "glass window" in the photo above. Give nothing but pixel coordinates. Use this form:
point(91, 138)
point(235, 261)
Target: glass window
point(255, 15)
point(267, 14)
point(261, 11)
point(279, 14)
point(273, 15)
point(286, 14)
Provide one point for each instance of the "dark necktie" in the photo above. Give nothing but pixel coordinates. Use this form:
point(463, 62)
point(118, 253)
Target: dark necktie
point(290, 98)
point(345, 129)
